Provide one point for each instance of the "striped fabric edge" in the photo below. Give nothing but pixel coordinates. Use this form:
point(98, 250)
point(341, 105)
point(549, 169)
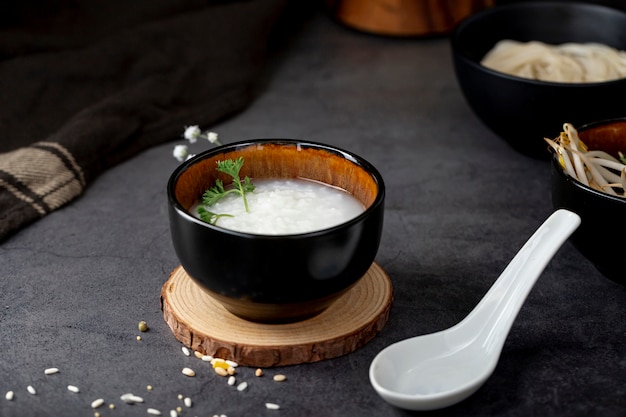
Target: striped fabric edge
point(44, 175)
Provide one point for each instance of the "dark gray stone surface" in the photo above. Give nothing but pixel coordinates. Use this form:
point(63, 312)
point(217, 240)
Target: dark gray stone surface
point(460, 203)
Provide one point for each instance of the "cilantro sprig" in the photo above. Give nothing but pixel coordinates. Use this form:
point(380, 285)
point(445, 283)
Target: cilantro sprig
point(219, 191)
point(210, 217)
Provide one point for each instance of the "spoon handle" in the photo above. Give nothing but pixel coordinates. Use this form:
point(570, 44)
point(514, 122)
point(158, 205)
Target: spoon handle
point(498, 309)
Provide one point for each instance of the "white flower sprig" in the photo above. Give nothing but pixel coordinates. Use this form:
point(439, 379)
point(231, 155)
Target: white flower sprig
point(181, 153)
point(192, 134)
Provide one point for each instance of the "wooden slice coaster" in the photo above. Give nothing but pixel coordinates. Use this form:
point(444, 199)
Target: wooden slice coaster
point(202, 324)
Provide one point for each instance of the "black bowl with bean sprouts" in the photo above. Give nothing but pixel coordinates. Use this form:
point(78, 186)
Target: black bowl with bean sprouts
point(589, 178)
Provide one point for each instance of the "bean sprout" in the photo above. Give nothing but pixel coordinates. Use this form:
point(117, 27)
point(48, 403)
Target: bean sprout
point(596, 169)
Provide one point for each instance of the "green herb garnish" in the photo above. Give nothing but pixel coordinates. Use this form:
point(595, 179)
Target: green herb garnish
point(209, 216)
point(218, 191)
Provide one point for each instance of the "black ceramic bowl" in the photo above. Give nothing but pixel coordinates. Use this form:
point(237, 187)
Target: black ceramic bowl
point(270, 278)
point(600, 236)
point(523, 111)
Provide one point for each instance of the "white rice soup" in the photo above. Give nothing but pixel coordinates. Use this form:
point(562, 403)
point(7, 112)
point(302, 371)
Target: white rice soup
point(286, 206)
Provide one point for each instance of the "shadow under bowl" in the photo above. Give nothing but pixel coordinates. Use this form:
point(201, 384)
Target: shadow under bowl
point(277, 278)
point(522, 111)
point(599, 237)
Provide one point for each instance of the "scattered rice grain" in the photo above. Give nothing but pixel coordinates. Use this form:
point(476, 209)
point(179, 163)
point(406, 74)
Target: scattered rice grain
point(232, 363)
point(180, 396)
point(272, 406)
point(258, 372)
point(73, 388)
point(139, 338)
point(197, 354)
point(173, 413)
point(179, 409)
point(9, 395)
point(97, 403)
point(189, 372)
point(149, 387)
point(186, 351)
point(127, 398)
point(50, 371)
point(232, 380)
point(131, 398)
point(207, 358)
point(242, 386)
point(31, 390)
point(220, 371)
point(153, 411)
point(187, 402)
point(279, 378)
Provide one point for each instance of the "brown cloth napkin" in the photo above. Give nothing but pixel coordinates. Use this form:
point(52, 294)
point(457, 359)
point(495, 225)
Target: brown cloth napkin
point(86, 84)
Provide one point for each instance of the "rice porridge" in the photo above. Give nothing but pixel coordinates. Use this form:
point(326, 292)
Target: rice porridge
point(286, 206)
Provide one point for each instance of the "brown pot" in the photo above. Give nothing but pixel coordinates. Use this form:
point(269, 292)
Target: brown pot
point(404, 17)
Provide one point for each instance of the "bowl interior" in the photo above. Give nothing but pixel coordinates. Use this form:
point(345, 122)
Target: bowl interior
point(608, 136)
point(281, 159)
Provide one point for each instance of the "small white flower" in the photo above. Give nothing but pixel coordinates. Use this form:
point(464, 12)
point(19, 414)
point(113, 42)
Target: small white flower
point(192, 133)
point(212, 137)
point(180, 152)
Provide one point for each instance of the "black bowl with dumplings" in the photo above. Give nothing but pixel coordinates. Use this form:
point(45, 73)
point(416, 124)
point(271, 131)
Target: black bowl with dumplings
point(600, 236)
point(523, 111)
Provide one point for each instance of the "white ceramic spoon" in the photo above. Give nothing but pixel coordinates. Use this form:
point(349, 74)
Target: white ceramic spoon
point(440, 369)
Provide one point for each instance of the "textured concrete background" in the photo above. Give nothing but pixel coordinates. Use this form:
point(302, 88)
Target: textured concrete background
point(460, 203)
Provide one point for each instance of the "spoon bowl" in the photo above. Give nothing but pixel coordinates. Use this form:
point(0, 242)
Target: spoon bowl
point(440, 369)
